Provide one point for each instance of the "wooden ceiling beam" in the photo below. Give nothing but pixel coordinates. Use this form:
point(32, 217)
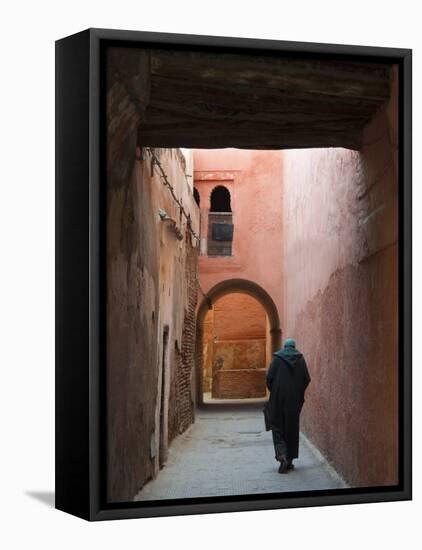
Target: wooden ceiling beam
point(208, 100)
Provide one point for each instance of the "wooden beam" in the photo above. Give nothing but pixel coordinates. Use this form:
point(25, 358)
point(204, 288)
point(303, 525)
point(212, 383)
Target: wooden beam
point(201, 99)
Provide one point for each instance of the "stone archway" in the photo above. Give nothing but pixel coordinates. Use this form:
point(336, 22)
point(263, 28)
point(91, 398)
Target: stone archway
point(221, 289)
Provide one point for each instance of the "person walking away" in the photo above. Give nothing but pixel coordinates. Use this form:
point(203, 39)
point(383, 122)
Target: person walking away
point(287, 379)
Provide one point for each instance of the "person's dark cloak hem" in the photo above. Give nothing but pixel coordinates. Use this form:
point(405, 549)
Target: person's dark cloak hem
point(287, 379)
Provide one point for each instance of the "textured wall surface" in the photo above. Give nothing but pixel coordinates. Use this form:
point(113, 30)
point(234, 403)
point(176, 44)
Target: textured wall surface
point(241, 354)
point(253, 180)
point(181, 403)
point(207, 351)
point(151, 277)
point(240, 384)
point(238, 316)
point(340, 296)
point(235, 336)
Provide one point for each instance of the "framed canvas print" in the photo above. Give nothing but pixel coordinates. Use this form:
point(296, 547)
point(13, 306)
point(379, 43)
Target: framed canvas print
point(233, 274)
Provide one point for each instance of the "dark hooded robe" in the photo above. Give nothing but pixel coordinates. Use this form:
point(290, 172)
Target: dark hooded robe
point(287, 379)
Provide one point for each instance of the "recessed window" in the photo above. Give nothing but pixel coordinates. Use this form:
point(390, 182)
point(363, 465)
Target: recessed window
point(196, 196)
point(220, 223)
point(220, 199)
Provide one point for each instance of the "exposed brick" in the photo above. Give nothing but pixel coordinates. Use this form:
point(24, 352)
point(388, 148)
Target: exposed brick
point(238, 384)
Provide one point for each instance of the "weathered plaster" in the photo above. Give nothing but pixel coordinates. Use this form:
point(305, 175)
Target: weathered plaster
point(151, 282)
point(235, 335)
point(340, 262)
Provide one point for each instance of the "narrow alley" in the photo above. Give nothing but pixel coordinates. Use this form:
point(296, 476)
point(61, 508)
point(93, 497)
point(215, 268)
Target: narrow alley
point(228, 452)
point(236, 221)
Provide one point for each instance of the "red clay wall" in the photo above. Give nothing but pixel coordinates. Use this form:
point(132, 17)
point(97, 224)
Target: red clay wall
point(240, 384)
point(340, 296)
point(151, 287)
point(239, 354)
point(238, 316)
point(235, 340)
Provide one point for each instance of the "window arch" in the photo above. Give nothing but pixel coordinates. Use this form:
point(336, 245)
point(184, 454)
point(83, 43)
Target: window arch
point(196, 196)
point(220, 223)
point(220, 199)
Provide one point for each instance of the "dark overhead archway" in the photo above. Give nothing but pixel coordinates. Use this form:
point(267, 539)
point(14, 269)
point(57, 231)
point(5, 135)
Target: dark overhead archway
point(204, 99)
point(221, 289)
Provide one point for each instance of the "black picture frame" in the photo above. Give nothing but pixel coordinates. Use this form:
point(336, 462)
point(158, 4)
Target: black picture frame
point(80, 279)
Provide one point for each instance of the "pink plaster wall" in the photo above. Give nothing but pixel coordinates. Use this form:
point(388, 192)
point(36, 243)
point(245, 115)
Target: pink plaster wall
point(317, 229)
point(340, 296)
point(253, 179)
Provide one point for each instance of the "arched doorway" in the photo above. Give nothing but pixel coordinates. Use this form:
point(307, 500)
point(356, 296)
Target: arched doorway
point(224, 288)
point(236, 349)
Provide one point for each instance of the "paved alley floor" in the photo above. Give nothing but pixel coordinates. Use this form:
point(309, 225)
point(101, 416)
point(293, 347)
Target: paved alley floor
point(228, 452)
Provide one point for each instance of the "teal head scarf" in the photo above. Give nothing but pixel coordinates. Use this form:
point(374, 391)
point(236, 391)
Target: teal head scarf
point(289, 352)
point(289, 343)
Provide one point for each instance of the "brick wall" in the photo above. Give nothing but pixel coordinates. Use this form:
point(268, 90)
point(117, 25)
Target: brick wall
point(241, 354)
point(181, 403)
point(235, 340)
point(240, 384)
point(239, 316)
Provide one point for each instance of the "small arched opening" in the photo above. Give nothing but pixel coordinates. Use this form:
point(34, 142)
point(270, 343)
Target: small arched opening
point(220, 223)
point(229, 355)
point(220, 199)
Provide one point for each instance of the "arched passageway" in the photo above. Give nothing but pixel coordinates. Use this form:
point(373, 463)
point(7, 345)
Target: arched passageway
point(235, 349)
point(232, 286)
